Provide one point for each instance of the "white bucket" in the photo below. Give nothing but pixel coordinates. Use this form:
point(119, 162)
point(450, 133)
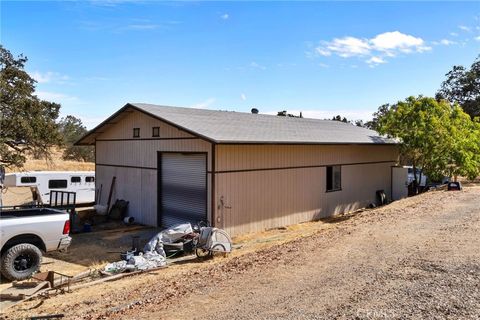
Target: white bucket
point(128, 220)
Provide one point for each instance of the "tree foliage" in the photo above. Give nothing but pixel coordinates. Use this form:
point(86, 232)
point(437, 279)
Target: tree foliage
point(27, 123)
point(340, 119)
point(284, 113)
point(465, 145)
point(381, 112)
point(440, 139)
point(462, 87)
point(358, 123)
point(72, 129)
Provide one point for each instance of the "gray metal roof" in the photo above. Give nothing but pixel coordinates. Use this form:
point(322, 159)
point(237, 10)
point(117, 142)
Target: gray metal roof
point(239, 127)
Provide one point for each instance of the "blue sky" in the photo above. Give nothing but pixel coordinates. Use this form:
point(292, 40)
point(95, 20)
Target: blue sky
point(321, 58)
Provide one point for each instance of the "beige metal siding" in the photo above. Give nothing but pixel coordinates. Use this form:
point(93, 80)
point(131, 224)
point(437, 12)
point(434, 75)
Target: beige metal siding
point(143, 153)
point(134, 162)
point(250, 201)
point(240, 157)
point(123, 128)
point(287, 187)
point(134, 185)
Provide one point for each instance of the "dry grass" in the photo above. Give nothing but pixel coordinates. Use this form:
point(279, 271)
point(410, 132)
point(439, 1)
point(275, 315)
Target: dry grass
point(55, 163)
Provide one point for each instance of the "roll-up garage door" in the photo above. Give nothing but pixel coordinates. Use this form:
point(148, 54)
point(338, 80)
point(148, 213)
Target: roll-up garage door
point(183, 188)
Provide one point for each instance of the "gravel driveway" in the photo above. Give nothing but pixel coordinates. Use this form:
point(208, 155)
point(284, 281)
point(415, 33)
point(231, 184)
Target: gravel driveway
point(418, 258)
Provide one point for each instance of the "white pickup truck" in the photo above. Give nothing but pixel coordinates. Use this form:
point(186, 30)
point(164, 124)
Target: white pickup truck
point(25, 233)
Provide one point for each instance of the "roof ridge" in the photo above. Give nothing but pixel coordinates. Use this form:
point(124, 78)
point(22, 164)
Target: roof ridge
point(139, 104)
point(223, 126)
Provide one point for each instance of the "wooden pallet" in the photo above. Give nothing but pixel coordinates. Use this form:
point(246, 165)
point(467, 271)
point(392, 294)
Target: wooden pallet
point(20, 291)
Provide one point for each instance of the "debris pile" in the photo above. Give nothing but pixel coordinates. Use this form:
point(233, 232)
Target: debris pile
point(177, 240)
point(140, 262)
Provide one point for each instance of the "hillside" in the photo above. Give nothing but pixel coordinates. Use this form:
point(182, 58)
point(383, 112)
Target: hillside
point(56, 163)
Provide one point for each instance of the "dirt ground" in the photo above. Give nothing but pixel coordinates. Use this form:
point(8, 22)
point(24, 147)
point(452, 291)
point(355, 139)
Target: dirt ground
point(416, 258)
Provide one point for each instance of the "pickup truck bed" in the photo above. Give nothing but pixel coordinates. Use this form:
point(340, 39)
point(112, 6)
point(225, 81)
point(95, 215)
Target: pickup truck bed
point(26, 212)
point(25, 233)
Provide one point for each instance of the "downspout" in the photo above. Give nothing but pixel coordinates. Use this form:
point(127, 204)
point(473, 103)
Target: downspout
point(212, 191)
point(96, 176)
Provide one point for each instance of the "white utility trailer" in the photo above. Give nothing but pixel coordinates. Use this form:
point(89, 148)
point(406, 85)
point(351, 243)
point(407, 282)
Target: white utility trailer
point(402, 177)
point(42, 182)
point(400, 182)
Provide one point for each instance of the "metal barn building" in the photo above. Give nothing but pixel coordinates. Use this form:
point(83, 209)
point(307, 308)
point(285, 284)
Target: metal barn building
point(243, 172)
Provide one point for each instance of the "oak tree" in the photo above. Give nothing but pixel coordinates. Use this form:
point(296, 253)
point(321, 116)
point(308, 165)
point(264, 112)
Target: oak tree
point(462, 87)
point(72, 129)
point(435, 137)
point(27, 123)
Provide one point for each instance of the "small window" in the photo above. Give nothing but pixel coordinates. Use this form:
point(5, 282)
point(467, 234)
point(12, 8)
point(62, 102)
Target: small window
point(334, 178)
point(136, 132)
point(28, 179)
point(155, 131)
point(75, 179)
point(90, 179)
point(57, 184)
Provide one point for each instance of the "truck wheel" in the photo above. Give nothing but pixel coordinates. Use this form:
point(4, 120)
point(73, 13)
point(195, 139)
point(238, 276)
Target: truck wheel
point(21, 261)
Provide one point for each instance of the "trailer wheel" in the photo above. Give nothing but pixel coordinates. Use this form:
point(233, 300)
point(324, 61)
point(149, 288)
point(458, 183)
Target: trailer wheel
point(218, 250)
point(202, 253)
point(21, 261)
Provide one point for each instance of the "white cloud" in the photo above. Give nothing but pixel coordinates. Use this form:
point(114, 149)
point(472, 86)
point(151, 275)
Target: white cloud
point(55, 96)
point(49, 76)
point(121, 26)
point(255, 65)
point(323, 52)
point(373, 61)
point(142, 26)
point(347, 47)
point(465, 28)
point(393, 41)
point(454, 34)
point(225, 16)
point(444, 42)
point(387, 44)
point(243, 97)
point(323, 65)
point(447, 42)
point(204, 104)
point(90, 122)
point(477, 38)
point(42, 78)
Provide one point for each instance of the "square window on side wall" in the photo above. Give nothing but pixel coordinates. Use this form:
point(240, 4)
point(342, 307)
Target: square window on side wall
point(334, 178)
point(136, 132)
point(155, 132)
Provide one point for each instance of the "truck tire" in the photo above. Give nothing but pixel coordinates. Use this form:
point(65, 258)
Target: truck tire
point(20, 262)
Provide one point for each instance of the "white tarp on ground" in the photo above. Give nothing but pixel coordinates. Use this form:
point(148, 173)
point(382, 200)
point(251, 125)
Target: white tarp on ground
point(149, 260)
point(175, 232)
point(170, 235)
point(154, 254)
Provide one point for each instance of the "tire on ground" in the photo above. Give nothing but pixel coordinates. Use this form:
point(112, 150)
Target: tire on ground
point(7, 266)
